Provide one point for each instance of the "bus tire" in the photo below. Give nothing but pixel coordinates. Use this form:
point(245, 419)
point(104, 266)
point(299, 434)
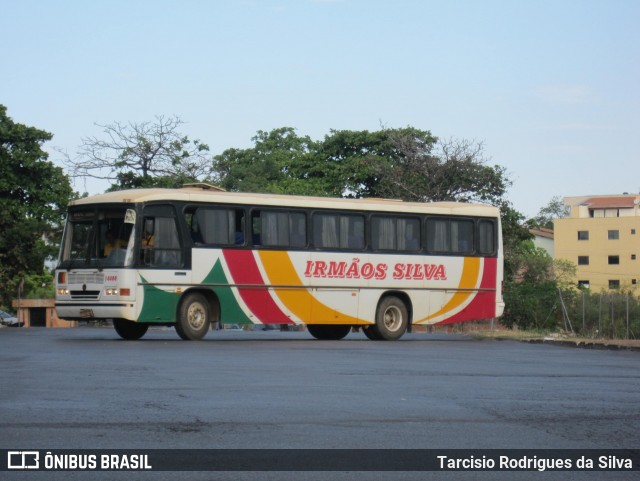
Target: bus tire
point(129, 330)
point(392, 319)
point(193, 317)
point(329, 332)
point(372, 333)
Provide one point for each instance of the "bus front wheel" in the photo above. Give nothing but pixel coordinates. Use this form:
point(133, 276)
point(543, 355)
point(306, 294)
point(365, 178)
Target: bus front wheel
point(392, 319)
point(193, 317)
point(329, 332)
point(129, 330)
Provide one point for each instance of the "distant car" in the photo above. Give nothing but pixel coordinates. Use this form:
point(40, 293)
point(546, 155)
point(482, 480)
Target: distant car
point(8, 319)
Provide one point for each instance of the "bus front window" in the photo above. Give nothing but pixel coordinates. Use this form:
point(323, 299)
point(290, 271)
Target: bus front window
point(98, 238)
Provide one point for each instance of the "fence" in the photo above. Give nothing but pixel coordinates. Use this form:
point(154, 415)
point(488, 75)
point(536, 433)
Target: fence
point(600, 315)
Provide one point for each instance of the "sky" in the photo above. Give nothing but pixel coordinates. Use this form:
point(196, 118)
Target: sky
point(551, 88)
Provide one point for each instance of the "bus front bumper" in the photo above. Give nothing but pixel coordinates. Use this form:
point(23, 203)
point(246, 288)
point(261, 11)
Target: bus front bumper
point(79, 311)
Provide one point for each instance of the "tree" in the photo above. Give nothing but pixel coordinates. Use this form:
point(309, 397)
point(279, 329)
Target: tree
point(514, 233)
point(33, 197)
point(423, 168)
point(274, 164)
point(530, 295)
point(142, 155)
point(406, 163)
point(555, 209)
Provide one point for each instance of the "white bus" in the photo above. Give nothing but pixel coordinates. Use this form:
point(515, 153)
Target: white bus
point(195, 256)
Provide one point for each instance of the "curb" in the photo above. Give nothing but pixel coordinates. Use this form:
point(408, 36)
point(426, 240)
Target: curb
point(584, 345)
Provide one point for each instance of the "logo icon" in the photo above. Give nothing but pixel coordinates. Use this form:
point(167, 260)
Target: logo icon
point(23, 460)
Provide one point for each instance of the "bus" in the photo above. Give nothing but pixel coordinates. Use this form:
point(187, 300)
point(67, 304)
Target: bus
point(196, 256)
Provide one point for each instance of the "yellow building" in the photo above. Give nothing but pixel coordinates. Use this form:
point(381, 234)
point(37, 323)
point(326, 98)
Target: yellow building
point(602, 237)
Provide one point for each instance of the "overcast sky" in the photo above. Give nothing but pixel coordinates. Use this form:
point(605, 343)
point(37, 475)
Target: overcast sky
point(550, 87)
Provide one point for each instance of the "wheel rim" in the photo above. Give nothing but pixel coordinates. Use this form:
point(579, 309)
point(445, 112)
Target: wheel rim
point(196, 315)
point(392, 318)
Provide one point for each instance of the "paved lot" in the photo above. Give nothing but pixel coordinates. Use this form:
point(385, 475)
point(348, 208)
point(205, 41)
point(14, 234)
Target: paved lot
point(86, 388)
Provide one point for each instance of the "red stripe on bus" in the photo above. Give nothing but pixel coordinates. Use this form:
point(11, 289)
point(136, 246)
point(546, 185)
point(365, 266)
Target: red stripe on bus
point(251, 286)
point(490, 273)
point(483, 304)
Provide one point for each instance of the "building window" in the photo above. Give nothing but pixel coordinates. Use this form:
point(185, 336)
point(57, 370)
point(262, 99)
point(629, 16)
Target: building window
point(634, 281)
point(614, 234)
point(633, 257)
point(614, 284)
point(633, 232)
point(584, 284)
point(614, 260)
point(583, 235)
point(583, 260)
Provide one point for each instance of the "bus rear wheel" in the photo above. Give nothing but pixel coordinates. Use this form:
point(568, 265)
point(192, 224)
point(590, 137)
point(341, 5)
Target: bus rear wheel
point(392, 319)
point(329, 332)
point(129, 330)
point(193, 317)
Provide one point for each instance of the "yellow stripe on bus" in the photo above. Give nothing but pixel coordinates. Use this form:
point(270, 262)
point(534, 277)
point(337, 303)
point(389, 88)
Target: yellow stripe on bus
point(296, 298)
point(468, 280)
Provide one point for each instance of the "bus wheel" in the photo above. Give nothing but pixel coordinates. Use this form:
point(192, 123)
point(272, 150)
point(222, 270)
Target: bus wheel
point(129, 330)
point(392, 319)
point(372, 333)
point(329, 332)
point(193, 318)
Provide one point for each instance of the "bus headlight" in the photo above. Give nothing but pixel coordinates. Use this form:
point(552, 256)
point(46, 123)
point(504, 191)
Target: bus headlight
point(125, 291)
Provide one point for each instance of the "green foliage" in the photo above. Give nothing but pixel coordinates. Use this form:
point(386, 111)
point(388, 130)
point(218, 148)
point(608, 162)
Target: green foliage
point(38, 286)
point(513, 234)
point(530, 305)
point(555, 209)
point(33, 197)
point(279, 162)
point(406, 163)
point(531, 289)
point(613, 315)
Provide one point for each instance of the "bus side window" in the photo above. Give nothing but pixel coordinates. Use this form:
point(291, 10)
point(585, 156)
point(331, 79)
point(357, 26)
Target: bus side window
point(462, 236)
point(160, 242)
point(486, 237)
point(279, 228)
point(438, 236)
point(338, 231)
point(216, 226)
point(450, 235)
point(395, 233)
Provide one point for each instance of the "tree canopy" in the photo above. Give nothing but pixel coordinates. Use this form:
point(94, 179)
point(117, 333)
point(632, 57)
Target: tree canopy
point(133, 155)
point(33, 197)
point(405, 163)
point(555, 209)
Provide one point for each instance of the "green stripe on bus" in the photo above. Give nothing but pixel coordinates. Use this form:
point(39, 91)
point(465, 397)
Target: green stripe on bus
point(158, 305)
point(230, 311)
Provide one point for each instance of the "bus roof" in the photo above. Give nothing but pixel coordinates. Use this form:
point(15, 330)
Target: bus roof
point(200, 194)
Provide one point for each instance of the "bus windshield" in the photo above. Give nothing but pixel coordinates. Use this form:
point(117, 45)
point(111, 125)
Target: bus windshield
point(98, 238)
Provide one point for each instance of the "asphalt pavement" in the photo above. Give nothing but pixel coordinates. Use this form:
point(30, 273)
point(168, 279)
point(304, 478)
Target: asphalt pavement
point(85, 388)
